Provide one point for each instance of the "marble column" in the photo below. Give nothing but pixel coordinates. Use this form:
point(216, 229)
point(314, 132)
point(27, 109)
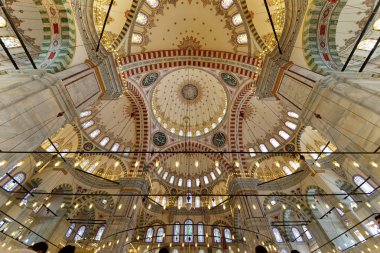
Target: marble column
point(35, 104)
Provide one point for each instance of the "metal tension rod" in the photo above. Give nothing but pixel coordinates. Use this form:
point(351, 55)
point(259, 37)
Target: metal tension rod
point(19, 184)
point(104, 25)
point(320, 153)
point(361, 35)
point(328, 212)
point(8, 54)
point(56, 149)
point(370, 55)
point(17, 34)
point(299, 171)
point(106, 179)
point(272, 24)
point(357, 187)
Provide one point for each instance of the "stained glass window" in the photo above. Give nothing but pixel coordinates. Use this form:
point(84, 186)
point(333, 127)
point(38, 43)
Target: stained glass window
point(80, 233)
point(218, 170)
point(115, 147)
point(87, 124)
point(11, 42)
point(141, 19)
point(296, 234)
point(188, 183)
point(188, 231)
point(287, 171)
point(197, 182)
point(227, 235)
point(277, 235)
point(212, 176)
point(376, 25)
point(85, 114)
point(307, 233)
point(179, 202)
point(3, 22)
point(136, 38)
point(197, 202)
point(176, 232)
point(263, 148)
point(100, 233)
point(104, 141)
point(160, 235)
point(70, 230)
point(284, 135)
point(180, 182)
point(152, 3)
point(205, 179)
point(236, 19)
point(13, 183)
point(242, 38)
point(149, 235)
point(367, 44)
point(293, 115)
point(217, 235)
point(251, 152)
point(291, 125)
point(94, 133)
point(274, 142)
point(171, 180)
point(226, 3)
point(364, 186)
point(201, 233)
point(165, 175)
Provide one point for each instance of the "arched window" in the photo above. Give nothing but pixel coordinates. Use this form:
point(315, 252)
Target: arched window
point(51, 147)
point(165, 175)
point(157, 199)
point(226, 4)
point(197, 182)
point(188, 231)
point(115, 147)
point(213, 202)
point(179, 202)
point(294, 164)
point(217, 235)
point(104, 141)
point(160, 170)
point(212, 176)
point(291, 125)
point(149, 235)
point(80, 233)
point(180, 182)
point(251, 152)
point(274, 142)
point(197, 202)
point(11, 42)
point(293, 115)
point(152, 3)
point(100, 233)
point(176, 232)
point(13, 183)
point(201, 233)
point(163, 202)
point(205, 179)
point(85, 114)
point(171, 180)
point(70, 230)
point(307, 233)
point(287, 171)
point(263, 148)
point(91, 168)
point(95, 133)
point(87, 124)
point(277, 235)
point(284, 135)
point(126, 151)
point(296, 234)
point(160, 235)
point(188, 183)
point(141, 19)
point(227, 235)
point(218, 170)
point(340, 212)
point(364, 186)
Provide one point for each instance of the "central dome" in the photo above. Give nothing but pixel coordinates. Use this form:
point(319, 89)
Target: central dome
point(189, 101)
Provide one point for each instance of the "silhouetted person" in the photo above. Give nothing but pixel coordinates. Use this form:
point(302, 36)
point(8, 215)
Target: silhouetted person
point(164, 250)
point(67, 249)
point(294, 251)
point(40, 247)
point(260, 249)
point(377, 218)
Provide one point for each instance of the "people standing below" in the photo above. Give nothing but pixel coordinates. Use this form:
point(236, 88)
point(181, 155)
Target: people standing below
point(260, 249)
point(40, 247)
point(67, 249)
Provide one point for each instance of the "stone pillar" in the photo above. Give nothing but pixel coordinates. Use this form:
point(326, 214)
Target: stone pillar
point(124, 218)
point(34, 105)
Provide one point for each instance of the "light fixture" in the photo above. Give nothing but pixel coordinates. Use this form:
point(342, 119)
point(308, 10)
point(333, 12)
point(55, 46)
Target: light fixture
point(355, 164)
point(177, 164)
point(3, 162)
point(196, 164)
point(38, 164)
point(373, 164)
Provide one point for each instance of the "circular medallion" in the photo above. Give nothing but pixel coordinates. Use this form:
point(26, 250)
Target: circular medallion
point(159, 139)
point(190, 92)
point(149, 79)
point(219, 139)
point(290, 148)
point(88, 146)
point(229, 79)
